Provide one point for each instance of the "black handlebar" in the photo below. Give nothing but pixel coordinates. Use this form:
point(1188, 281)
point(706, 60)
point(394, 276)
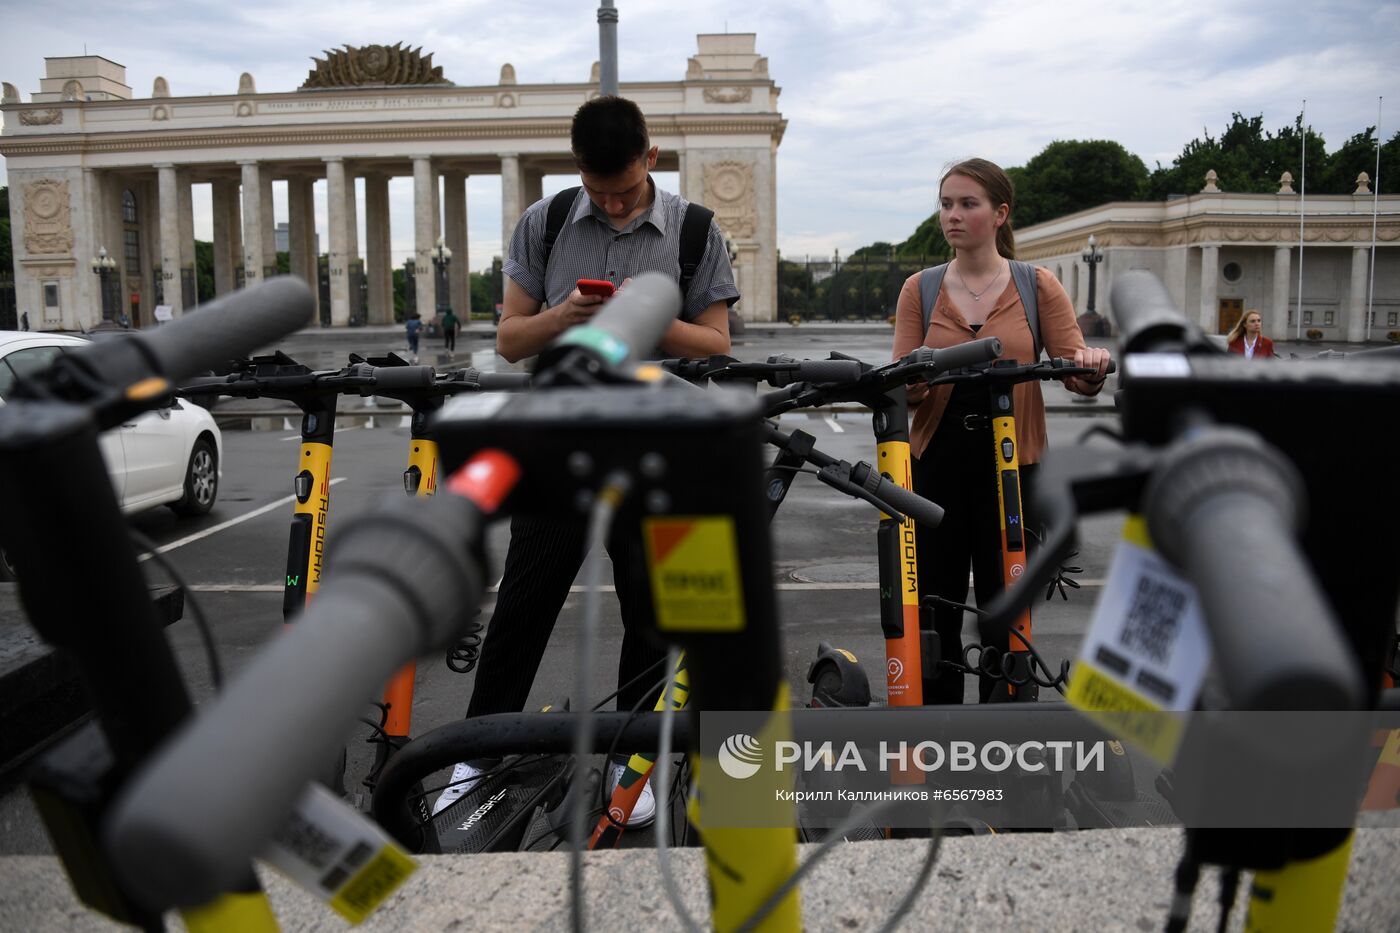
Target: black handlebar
point(1147, 317)
point(955, 357)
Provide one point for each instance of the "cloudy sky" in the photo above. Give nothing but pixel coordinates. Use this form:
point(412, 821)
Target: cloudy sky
point(879, 95)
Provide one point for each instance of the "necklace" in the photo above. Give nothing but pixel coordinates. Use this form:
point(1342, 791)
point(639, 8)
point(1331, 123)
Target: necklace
point(976, 296)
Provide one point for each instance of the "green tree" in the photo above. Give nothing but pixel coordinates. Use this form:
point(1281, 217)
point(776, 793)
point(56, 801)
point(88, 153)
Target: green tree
point(1246, 158)
point(926, 242)
point(1074, 175)
point(482, 303)
point(1355, 156)
point(203, 271)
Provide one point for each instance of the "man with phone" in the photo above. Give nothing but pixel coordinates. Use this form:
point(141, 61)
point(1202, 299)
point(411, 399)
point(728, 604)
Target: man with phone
point(569, 253)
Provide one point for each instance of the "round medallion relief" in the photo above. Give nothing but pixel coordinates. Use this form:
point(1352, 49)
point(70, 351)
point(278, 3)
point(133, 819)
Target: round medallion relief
point(729, 184)
point(45, 203)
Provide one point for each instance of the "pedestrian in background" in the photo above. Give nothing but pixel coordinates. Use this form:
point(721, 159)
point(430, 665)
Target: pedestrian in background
point(411, 327)
point(1247, 339)
point(450, 324)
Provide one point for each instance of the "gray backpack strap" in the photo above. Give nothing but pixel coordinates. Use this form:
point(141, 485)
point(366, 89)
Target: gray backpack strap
point(930, 281)
point(1023, 274)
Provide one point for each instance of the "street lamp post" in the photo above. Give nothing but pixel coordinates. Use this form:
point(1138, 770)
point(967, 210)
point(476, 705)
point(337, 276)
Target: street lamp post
point(442, 257)
point(104, 267)
point(1091, 322)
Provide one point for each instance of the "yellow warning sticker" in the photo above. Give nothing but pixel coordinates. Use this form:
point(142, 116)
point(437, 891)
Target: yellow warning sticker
point(694, 567)
point(368, 888)
point(1124, 712)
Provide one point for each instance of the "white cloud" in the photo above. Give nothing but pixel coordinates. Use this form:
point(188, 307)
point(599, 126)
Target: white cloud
point(879, 95)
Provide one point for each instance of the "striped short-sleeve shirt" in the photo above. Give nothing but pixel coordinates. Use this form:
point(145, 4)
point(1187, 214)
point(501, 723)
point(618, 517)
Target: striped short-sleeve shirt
point(588, 247)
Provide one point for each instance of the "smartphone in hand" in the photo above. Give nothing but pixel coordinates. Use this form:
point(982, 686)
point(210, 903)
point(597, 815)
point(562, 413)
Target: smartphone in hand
point(596, 287)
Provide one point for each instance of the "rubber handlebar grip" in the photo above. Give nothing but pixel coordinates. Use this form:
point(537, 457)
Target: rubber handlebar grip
point(910, 503)
point(967, 354)
point(1146, 315)
point(204, 385)
point(243, 762)
point(497, 382)
point(403, 377)
point(226, 328)
point(1226, 508)
point(828, 371)
point(630, 324)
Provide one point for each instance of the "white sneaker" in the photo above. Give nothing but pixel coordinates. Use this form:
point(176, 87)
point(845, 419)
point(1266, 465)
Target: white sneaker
point(644, 813)
point(464, 777)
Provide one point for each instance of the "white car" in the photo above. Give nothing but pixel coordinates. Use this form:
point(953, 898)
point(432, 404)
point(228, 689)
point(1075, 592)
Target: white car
point(170, 456)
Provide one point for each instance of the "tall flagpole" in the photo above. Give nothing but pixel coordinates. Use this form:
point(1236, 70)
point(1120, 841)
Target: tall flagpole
point(1375, 210)
point(1302, 199)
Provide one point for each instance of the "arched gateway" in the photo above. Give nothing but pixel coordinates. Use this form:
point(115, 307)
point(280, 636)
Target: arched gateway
point(89, 168)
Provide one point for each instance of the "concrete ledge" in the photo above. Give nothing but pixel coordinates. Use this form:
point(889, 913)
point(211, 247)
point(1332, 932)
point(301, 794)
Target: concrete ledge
point(1102, 881)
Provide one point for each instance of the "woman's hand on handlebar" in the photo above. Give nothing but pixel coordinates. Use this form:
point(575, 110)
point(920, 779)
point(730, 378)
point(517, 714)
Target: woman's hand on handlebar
point(917, 391)
point(1097, 357)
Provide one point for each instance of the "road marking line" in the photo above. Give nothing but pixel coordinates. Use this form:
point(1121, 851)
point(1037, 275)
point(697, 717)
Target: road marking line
point(228, 524)
point(831, 420)
point(297, 437)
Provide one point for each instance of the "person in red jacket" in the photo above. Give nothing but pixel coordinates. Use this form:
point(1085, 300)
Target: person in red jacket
point(1245, 337)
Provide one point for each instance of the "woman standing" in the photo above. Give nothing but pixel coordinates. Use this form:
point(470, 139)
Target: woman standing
point(950, 432)
point(1246, 338)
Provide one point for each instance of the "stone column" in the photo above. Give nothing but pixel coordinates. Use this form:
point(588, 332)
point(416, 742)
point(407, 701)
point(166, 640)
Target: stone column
point(269, 223)
point(512, 199)
point(378, 260)
point(1356, 297)
point(252, 224)
point(531, 187)
point(454, 212)
point(1210, 277)
point(298, 217)
point(341, 241)
point(1276, 323)
point(223, 268)
point(188, 259)
point(169, 199)
point(424, 235)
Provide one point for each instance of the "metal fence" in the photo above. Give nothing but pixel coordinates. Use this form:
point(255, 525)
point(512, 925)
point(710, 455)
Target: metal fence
point(860, 289)
point(9, 313)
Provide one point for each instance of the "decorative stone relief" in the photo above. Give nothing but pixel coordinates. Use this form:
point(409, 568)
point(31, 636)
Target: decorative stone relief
point(47, 117)
point(48, 224)
point(245, 109)
point(73, 90)
point(374, 65)
point(507, 74)
point(728, 95)
point(160, 113)
point(246, 84)
point(729, 193)
point(1285, 183)
point(1363, 184)
point(595, 74)
point(505, 100)
point(11, 94)
point(1211, 179)
point(161, 88)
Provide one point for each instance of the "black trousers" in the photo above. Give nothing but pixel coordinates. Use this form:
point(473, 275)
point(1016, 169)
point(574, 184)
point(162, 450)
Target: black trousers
point(958, 471)
point(449, 336)
point(542, 561)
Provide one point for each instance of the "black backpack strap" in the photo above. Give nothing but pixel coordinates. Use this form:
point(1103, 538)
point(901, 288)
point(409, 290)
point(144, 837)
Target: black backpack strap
point(1023, 274)
point(557, 216)
point(695, 233)
point(930, 281)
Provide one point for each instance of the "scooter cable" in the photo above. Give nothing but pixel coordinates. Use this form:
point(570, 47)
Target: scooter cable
point(216, 671)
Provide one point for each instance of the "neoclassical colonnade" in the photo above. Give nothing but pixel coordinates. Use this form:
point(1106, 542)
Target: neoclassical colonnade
point(92, 168)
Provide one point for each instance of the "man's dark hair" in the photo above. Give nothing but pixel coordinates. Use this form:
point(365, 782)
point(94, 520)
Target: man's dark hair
point(608, 135)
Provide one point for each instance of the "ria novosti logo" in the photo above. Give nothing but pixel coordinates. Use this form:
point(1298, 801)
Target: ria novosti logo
point(740, 756)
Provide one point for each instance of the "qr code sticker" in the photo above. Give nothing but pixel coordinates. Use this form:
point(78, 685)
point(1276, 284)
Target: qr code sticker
point(307, 841)
point(1154, 618)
